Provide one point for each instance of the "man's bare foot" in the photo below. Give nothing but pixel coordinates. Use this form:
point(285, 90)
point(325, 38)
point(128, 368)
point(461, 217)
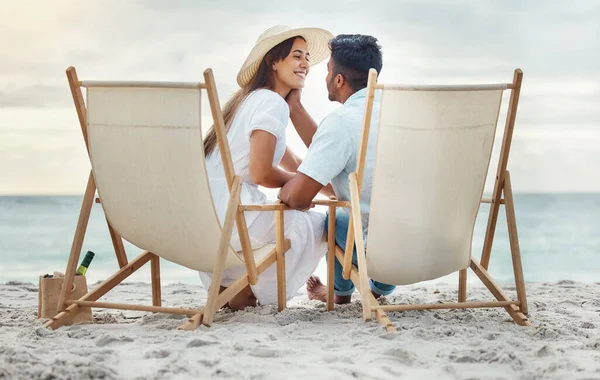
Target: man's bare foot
point(315, 289)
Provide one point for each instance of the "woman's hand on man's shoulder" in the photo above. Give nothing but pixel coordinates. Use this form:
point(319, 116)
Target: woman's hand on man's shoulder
point(294, 99)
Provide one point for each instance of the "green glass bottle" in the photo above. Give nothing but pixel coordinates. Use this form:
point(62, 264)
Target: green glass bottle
point(83, 267)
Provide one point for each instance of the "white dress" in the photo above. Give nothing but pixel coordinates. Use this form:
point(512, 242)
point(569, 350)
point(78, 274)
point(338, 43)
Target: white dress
point(265, 110)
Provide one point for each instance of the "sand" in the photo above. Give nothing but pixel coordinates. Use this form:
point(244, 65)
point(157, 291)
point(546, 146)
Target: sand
point(304, 341)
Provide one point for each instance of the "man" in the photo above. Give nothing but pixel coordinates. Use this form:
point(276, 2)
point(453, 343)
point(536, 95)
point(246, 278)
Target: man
point(333, 149)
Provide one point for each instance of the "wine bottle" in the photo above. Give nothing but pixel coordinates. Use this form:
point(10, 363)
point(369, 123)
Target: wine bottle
point(83, 267)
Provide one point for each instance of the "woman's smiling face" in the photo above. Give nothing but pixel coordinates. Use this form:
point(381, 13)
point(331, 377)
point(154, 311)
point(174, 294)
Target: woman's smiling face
point(291, 71)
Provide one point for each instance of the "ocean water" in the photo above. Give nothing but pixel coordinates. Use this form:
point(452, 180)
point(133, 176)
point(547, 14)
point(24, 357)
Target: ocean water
point(559, 237)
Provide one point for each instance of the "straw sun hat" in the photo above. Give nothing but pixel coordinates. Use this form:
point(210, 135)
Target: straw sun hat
point(317, 41)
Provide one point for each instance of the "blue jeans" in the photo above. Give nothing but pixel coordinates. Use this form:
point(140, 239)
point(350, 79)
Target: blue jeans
point(346, 287)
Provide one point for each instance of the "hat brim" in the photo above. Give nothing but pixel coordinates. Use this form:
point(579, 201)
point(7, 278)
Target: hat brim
point(317, 41)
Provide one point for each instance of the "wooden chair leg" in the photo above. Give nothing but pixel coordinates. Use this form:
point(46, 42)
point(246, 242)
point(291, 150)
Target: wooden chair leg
point(242, 229)
point(280, 246)
point(514, 243)
point(193, 323)
point(502, 164)
point(155, 276)
point(491, 225)
point(380, 315)
point(347, 264)
point(516, 314)
point(213, 291)
point(364, 295)
point(224, 246)
point(360, 248)
point(227, 294)
point(66, 314)
point(330, 257)
point(462, 285)
point(82, 222)
point(117, 242)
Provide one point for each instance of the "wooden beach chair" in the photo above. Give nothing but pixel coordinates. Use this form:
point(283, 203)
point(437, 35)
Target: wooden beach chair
point(433, 153)
point(145, 146)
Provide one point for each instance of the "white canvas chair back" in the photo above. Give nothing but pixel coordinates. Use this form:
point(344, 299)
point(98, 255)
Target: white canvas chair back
point(145, 145)
point(148, 161)
point(433, 153)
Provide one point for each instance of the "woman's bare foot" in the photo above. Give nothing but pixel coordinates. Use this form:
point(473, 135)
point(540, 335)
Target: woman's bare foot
point(243, 299)
point(315, 289)
point(221, 290)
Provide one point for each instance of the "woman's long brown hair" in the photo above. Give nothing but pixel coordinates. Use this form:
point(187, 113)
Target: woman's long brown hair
point(262, 79)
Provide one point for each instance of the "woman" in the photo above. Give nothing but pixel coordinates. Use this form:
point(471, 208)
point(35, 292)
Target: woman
point(256, 118)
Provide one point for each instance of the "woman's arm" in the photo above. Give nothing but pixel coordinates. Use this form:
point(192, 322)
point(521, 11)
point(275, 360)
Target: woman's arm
point(262, 150)
point(328, 191)
point(290, 161)
point(302, 121)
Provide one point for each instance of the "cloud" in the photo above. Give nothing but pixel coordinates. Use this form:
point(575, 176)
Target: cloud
point(556, 44)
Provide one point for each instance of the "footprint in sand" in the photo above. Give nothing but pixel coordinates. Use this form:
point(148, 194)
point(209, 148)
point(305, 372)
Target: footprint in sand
point(392, 371)
point(42, 331)
point(182, 291)
point(79, 334)
point(209, 363)
point(400, 355)
point(466, 359)
point(330, 358)
point(161, 354)
point(200, 343)
point(108, 340)
point(261, 352)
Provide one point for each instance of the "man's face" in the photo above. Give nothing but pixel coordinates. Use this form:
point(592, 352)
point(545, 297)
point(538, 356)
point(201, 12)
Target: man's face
point(329, 79)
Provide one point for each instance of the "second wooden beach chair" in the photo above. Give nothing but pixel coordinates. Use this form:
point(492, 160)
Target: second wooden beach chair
point(434, 148)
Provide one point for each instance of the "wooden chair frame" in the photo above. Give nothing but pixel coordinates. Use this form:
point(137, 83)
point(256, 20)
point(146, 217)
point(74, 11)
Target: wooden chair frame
point(502, 194)
point(235, 213)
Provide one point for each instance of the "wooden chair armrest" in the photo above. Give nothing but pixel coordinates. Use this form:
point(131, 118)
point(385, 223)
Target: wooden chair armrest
point(331, 202)
point(283, 206)
point(265, 207)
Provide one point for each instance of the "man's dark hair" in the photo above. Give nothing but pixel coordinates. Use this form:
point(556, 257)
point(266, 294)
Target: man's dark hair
point(353, 55)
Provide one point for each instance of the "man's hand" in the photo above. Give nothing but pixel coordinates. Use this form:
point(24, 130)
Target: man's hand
point(293, 100)
point(299, 192)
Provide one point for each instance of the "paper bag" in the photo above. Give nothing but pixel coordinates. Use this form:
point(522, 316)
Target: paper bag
point(49, 292)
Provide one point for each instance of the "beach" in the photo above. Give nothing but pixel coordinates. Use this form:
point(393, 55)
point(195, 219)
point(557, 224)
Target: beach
point(305, 341)
point(495, 100)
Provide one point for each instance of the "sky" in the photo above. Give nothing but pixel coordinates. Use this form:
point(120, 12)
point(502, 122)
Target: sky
point(556, 146)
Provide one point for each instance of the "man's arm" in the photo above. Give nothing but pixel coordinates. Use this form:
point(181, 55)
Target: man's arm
point(299, 192)
point(302, 121)
point(290, 162)
point(326, 158)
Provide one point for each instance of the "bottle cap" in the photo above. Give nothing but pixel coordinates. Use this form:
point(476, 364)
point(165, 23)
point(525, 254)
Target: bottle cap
point(88, 259)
